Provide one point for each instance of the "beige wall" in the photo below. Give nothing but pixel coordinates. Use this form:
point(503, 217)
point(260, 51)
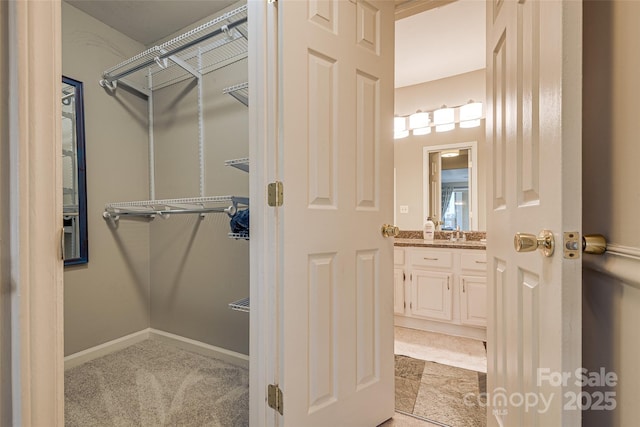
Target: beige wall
point(108, 297)
point(196, 270)
point(408, 152)
point(611, 196)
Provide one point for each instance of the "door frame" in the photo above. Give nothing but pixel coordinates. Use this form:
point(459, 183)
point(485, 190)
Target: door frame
point(33, 252)
point(265, 243)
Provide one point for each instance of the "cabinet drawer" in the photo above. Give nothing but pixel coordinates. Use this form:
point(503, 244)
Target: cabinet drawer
point(474, 262)
point(438, 259)
point(398, 256)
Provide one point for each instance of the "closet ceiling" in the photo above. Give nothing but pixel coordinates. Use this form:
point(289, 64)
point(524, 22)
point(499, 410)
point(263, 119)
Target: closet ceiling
point(434, 38)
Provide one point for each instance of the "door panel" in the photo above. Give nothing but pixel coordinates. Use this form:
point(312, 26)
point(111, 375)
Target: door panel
point(431, 294)
point(336, 163)
point(473, 300)
point(534, 55)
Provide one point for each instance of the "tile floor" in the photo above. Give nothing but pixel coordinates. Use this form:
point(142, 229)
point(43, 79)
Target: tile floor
point(449, 350)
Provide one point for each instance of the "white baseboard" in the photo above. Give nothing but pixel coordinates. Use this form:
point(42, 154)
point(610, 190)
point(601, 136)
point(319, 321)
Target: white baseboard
point(84, 356)
point(109, 347)
point(228, 356)
point(441, 327)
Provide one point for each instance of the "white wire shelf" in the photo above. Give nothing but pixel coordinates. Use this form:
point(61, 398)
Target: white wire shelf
point(166, 207)
point(239, 92)
point(213, 45)
point(242, 164)
point(240, 305)
point(244, 236)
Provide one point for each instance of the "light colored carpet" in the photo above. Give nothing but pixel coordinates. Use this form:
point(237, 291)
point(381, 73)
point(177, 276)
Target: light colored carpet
point(155, 384)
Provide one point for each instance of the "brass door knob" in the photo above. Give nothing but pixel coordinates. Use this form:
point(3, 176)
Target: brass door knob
point(525, 242)
point(390, 230)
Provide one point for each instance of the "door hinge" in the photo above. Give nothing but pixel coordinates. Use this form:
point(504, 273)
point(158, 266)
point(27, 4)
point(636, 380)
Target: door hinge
point(404, 276)
point(274, 398)
point(405, 305)
point(275, 193)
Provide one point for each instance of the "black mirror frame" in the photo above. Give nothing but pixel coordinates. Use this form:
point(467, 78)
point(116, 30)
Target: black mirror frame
point(82, 174)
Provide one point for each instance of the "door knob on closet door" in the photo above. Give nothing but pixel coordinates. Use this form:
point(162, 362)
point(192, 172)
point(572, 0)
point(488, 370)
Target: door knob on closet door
point(390, 230)
point(525, 242)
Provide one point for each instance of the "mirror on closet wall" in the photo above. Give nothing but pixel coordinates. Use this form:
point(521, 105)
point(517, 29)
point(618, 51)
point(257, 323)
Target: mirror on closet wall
point(450, 186)
point(74, 188)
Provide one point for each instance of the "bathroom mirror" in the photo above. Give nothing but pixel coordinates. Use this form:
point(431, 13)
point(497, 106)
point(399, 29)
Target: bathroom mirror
point(74, 196)
point(450, 186)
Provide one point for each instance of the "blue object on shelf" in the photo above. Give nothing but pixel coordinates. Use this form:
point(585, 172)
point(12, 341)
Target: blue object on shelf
point(240, 221)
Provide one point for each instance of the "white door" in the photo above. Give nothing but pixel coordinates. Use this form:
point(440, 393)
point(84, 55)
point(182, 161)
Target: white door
point(534, 62)
point(336, 269)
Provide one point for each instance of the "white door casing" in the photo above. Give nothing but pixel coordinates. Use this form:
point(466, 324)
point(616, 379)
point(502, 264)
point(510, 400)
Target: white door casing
point(534, 60)
point(336, 269)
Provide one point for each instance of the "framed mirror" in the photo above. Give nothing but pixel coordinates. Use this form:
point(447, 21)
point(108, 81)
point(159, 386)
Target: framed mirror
point(450, 186)
point(74, 188)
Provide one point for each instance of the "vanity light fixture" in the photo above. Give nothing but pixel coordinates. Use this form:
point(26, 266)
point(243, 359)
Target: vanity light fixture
point(419, 123)
point(470, 114)
point(444, 119)
point(400, 127)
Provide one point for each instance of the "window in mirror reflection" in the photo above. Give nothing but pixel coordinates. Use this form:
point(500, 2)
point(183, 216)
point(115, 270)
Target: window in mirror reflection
point(74, 204)
point(450, 188)
point(455, 190)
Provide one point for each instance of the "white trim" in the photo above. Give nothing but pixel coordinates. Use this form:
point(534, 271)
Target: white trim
point(620, 262)
point(263, 155)
point(471, 145)
point(441, 327)
point(235, 358)
point(35, 204)
point(84, 356)
point(77, 359)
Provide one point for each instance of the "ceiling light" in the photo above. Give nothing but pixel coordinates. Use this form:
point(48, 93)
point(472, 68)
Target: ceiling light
point(450, 153)
point(399, 124)
point(443, 118)
point(470, 114)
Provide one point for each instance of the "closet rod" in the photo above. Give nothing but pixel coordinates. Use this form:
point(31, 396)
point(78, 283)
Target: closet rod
point(111, 79)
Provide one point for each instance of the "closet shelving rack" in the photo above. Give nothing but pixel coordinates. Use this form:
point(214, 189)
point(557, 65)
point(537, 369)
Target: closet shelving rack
point(166, 207)
point(240, 305)
point(206, 48)
point(239, 92)
point(242, 164)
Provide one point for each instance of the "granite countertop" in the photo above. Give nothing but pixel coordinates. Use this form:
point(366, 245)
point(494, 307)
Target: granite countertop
point(440, 243)
point(413, 238)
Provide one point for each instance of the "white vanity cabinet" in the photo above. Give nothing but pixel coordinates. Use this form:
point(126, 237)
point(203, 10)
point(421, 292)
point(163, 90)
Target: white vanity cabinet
point(441, 290)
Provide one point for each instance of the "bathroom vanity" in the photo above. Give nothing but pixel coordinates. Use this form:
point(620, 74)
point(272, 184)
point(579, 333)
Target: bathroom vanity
point(441, 286)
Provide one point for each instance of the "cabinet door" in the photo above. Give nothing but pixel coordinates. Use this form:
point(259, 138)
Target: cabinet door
point(398, 291)
point(431, 294)
point(473, 300)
